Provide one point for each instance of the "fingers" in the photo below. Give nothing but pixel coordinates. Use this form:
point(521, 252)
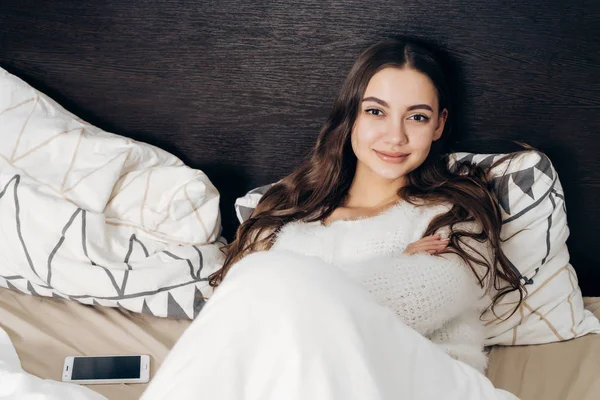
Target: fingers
point(429, 244)
point(435, 237)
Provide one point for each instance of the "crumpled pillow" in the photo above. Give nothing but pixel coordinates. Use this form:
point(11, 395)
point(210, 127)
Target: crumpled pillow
point(100, 218)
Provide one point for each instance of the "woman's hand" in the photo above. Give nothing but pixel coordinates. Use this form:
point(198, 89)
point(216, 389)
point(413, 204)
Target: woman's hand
point(429, 244)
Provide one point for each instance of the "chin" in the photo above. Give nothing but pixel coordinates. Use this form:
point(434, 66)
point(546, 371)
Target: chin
point(390, 175)
point(386, 171)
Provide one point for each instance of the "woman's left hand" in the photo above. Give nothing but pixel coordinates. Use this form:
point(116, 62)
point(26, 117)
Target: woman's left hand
point(429, 244)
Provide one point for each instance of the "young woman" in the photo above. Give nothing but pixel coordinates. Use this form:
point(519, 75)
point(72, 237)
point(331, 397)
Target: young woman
point(363, 274)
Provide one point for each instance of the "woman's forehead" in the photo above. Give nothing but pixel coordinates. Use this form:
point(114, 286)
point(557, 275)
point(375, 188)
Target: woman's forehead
point(402, 87)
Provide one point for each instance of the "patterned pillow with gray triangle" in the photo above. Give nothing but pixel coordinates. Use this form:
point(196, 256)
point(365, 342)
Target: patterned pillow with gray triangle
point(99, 218)
point(535, 229)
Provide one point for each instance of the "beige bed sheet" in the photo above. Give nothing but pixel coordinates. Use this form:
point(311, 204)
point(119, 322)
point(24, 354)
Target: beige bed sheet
point(557, 371)
point(45, 331)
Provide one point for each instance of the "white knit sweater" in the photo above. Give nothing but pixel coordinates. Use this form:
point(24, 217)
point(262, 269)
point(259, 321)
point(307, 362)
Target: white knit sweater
point(438, 296)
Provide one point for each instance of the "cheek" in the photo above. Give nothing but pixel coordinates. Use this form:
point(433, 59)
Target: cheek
point(421, 142)
point(364, 136)
point(421, 139)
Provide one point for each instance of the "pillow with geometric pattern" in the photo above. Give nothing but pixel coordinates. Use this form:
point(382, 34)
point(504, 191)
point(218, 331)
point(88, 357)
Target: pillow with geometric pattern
point(535, 231)
point(99, 218)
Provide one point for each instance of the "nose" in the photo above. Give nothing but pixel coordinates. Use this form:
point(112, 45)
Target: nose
point(397, 134)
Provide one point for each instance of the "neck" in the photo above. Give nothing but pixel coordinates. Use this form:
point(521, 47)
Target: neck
point(369, 190)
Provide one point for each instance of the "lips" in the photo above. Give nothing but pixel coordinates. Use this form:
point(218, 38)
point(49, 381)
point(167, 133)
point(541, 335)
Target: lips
point(390, 154)
point(391, 157)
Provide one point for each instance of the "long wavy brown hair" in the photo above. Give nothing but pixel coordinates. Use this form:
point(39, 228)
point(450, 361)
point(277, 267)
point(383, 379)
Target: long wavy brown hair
point(320, 185)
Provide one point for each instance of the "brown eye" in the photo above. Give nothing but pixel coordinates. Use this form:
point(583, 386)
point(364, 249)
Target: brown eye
point(374, 111)
point(420, 118)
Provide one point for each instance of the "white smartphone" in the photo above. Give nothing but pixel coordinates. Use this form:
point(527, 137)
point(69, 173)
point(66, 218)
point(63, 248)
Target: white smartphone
point(94, 370)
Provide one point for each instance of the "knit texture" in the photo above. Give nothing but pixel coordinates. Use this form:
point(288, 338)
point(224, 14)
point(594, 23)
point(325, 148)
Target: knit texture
point(438, 296)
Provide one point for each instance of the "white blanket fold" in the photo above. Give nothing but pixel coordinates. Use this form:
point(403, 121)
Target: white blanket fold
point(288, 326)
point(99, 218)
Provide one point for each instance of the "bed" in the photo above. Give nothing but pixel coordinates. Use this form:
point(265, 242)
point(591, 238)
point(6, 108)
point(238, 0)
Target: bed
point(240, 90)
point(561, 371)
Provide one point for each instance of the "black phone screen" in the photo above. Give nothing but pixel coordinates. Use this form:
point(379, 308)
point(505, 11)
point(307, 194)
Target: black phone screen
point(117, 367)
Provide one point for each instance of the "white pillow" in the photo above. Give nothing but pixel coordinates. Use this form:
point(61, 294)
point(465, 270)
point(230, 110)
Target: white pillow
point(535, 224)
point(536, 231)
point(97, 217)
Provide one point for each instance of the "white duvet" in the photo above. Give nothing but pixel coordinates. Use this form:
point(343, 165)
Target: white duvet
point(289, 326)
point(99, 218)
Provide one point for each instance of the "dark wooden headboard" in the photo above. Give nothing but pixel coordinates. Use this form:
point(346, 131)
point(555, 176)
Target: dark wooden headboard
point(240, 89)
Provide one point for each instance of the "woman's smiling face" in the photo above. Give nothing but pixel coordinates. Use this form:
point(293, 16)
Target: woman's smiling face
point(397, 121)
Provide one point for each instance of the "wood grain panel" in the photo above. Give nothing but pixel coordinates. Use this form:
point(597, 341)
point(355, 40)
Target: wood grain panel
point(240, 89)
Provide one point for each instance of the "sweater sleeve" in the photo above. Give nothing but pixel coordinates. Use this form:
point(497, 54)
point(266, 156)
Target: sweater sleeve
point(479, 250)
point(425, 291)
point(462, 338)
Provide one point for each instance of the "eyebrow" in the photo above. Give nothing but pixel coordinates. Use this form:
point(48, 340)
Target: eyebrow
point(385, 104)
point(420, 107)
point(376, 100)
